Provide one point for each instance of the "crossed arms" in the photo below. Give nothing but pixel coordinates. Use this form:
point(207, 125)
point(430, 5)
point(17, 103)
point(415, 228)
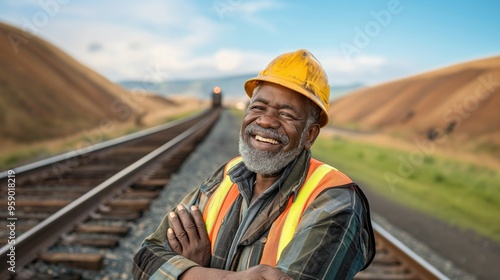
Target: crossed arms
point(330, 243)
point(188, 237)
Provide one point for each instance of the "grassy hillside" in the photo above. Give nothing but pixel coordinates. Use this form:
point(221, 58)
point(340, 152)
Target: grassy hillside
point(457, 104)
point(44, 93)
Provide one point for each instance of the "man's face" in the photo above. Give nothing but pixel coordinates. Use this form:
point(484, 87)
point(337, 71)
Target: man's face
point(274, 131)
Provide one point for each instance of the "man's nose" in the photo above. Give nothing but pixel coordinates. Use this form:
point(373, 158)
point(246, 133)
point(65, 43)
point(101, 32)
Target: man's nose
point(268, 119)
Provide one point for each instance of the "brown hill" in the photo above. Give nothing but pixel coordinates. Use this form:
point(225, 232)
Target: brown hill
point(44, 93)
point(459, 102)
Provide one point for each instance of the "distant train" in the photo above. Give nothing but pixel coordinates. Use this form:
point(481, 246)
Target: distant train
point(216, 97)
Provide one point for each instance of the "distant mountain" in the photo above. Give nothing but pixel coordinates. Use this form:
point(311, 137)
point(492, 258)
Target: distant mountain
point(231, 86)
point(461, 100)
point(45, 93)
point(337, 91)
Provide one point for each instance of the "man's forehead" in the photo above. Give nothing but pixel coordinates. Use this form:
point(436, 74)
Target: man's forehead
point(293, 101)
point(273, 92)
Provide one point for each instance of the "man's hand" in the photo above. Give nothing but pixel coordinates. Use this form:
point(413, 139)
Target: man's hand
point(259, 272)
point(188, 235)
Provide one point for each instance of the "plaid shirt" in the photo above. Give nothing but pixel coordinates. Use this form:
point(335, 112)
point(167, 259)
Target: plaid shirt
point(334, 239)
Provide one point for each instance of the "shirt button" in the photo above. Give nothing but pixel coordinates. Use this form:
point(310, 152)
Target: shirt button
point(263, 239)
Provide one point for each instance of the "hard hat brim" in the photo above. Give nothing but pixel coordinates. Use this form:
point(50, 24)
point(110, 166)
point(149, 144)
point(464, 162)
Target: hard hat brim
point(252, 83)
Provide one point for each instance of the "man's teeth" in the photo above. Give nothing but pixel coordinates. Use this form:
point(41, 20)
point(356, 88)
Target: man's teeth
point(267, 140)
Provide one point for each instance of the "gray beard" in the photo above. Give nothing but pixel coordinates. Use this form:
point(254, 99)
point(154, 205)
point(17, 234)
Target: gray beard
point(266, 162)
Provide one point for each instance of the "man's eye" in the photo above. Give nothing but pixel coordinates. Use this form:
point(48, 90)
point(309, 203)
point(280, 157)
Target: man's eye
point(257, 108)
point(287, 115)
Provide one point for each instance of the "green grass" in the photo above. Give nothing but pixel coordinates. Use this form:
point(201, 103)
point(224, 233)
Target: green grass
point(22, 156)
point(461, 193)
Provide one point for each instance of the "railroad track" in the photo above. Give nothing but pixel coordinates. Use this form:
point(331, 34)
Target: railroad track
point(395, 261)
point(86, 197)
point(123, 191)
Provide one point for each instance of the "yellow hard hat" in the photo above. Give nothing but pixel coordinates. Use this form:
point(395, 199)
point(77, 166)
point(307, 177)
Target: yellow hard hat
point(299, 71)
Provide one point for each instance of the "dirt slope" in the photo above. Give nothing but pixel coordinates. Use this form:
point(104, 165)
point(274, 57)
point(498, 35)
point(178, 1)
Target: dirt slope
point(459, 102)
point(44, 93)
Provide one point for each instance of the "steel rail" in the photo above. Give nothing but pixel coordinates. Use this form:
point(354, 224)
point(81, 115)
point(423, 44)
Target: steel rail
point(45, 234)
point(424, 269)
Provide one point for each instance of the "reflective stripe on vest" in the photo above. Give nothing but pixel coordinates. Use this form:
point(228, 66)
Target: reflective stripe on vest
point(221, 199)
point(297, 207)
point(283, 229)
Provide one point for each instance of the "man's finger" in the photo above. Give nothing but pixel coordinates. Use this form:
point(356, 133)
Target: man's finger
point(187, 223)
point(200, 223)
point(173, 242)
point(178, 229)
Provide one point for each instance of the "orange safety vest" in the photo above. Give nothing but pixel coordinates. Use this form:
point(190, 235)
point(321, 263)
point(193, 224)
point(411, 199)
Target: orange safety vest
point(320, 177)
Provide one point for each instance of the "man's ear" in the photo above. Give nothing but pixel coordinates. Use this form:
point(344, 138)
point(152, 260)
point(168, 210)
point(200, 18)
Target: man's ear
point(312, 134)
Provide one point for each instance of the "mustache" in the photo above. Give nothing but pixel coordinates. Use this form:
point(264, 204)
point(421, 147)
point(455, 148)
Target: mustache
point(253, 128)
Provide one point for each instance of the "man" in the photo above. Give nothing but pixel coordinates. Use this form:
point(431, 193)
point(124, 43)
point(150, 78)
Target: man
point(274, 212)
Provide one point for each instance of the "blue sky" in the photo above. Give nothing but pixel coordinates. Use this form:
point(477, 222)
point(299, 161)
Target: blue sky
point(356, 41)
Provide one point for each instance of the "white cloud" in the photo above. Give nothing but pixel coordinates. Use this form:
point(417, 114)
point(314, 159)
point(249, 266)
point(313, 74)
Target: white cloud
point(366, 60)
point(240, 62)
point(359, 64)
point(227, 60)
point(137, 38)
point(366, 68)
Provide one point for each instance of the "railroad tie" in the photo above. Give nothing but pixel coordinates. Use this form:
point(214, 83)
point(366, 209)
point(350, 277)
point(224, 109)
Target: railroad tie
point(79, 260)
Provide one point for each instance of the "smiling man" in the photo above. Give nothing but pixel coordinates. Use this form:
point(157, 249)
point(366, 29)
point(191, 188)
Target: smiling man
point(275, 212)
